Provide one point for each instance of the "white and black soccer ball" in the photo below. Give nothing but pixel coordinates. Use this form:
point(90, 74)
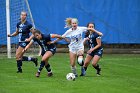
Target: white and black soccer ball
point(70, 77)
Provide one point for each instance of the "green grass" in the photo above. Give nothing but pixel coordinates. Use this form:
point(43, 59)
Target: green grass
point(120, 74)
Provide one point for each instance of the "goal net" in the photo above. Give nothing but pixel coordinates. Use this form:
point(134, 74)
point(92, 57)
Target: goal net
point(10, 18)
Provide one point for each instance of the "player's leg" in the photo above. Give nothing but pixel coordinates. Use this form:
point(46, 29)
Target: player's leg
point(25, 58)
point(44, 62)
point(86, 63)
point(46, 57)
point(96, 59)
point(18, 58)
point(72, 62)
point(95, 64)
point(80, 57)
point(34, 60)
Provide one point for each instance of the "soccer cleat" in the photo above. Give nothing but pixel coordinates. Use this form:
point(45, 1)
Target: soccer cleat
point(98, 72)
point(50, 74)
point(82, 74)
point(76, 75)
point(35, 61)
point(37, 74)
point(19, 71)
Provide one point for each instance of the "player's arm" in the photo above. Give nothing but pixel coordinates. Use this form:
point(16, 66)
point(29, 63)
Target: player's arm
point(14, 34)
point(28, 46)
point(31, 37)
point(56, 36)
point(97, 46)
point(56, 40)
point(85, 40)
point(59, 37)
point(66, 39)
point(65, 35)
point(92, 29)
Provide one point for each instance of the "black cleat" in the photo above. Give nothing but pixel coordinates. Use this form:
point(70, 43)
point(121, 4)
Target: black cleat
point(36, 62)
point(82, 74)
point(98, 72)
point(76, 75)
point(19, 71)
point(50, 74)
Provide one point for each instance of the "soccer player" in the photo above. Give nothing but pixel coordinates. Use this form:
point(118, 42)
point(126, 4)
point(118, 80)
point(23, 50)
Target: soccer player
point(48, 49)
point(23, 29)
point(95, 51)
point(76, 46)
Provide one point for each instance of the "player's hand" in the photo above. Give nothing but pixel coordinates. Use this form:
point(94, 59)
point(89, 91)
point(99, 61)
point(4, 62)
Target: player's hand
point(27, 40)
point(60, 37)
point(24, 50)
point(51, 42)
point(9, 35)
point(91, 29)
point(86, 39)
point(89, 51)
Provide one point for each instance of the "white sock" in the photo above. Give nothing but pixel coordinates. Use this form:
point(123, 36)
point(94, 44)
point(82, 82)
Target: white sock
point(73, 69)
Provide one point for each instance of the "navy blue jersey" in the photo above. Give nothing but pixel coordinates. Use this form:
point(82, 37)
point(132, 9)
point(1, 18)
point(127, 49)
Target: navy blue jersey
point(24, 30)
point(92, 40)
point(43, 42)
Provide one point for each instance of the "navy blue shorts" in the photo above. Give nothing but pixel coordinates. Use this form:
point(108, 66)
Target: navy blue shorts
point(53, 50)
point(97, 52)
point(23, 44)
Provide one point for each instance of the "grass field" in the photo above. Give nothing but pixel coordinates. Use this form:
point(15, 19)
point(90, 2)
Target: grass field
point(120, 74)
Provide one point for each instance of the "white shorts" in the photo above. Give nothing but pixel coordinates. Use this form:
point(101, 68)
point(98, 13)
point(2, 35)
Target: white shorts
point(76, 49)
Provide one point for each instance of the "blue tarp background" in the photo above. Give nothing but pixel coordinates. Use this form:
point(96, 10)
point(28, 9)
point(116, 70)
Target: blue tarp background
point(118, 20)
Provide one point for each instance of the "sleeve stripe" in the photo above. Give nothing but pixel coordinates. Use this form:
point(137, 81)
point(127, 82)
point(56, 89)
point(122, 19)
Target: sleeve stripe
point(52, 35)
point(99, 37)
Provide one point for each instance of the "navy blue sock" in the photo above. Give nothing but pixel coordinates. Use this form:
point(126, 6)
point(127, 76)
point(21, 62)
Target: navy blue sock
point(96, 67)
point(33, 59)
point(85, 68)
point(24, 58)
point(48, 68)
point(19, 64)
point(42, 64)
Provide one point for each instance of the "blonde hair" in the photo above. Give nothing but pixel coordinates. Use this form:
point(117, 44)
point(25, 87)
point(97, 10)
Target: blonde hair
point(68, 22)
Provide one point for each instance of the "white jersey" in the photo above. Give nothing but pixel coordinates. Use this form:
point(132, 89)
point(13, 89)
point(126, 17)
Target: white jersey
point(75, 36)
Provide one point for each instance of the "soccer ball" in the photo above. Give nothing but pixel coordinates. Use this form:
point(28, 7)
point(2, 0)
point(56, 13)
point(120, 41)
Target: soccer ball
point(70, 77)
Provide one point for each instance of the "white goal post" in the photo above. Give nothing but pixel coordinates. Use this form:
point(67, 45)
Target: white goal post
point(8, 28)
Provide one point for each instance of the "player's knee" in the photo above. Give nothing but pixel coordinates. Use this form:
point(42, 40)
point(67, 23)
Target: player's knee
point(17, 57)
point(44, 59)
point(80, 60)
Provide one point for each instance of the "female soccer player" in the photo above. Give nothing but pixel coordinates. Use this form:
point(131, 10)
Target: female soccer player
point(48, 50)
point(76, 47)
point(23, 30)
point(95, 51)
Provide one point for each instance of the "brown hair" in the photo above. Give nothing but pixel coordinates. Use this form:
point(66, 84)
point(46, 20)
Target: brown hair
point(36, 31)
point(91, 23)
point(87, 33)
